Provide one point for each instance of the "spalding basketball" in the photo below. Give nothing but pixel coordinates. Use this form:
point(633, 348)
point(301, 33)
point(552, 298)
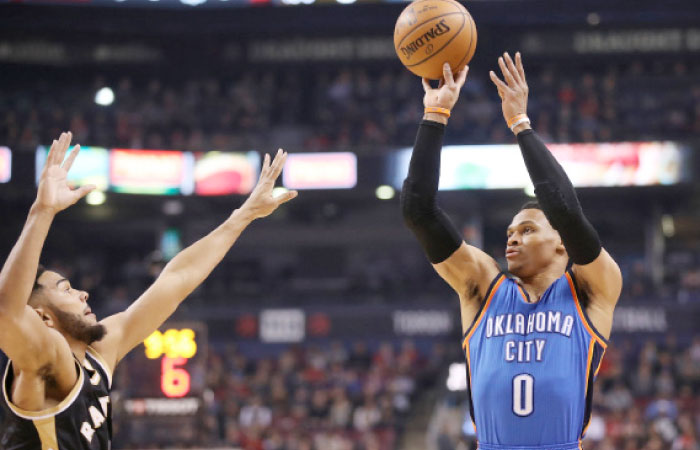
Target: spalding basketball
point(430, 33)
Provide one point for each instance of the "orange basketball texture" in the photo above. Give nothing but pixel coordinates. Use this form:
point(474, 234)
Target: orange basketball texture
point(429, 33)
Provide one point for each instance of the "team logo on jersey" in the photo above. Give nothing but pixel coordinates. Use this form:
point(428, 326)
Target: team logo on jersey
point(87, 429)
point(531, 350)
point(95, 378)
point(540, 322)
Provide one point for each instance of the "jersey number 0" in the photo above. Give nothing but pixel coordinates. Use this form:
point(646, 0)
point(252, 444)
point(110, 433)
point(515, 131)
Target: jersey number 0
point(523, 394)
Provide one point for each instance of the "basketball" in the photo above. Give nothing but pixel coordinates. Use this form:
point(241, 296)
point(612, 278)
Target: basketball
point(429, 33)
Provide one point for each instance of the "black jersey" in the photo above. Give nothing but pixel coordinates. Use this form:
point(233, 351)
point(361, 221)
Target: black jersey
point(82, 421)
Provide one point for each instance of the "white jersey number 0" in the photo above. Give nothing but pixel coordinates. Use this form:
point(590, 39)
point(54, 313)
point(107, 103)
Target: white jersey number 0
point(523, 394)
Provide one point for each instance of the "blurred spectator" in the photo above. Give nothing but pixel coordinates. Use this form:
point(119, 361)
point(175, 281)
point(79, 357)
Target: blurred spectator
point(255, 415)
point(339, 108)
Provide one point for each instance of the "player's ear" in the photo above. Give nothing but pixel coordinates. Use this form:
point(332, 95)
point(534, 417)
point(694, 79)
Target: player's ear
point(561, 250)
point(45, 316)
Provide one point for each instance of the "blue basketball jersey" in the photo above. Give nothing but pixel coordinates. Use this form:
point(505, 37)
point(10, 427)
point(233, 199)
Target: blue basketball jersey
point(531, 367)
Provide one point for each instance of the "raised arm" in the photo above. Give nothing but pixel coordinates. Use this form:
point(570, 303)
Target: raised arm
point(23, 336)
point(466, 269)
point(598, 274)
point(189, 269)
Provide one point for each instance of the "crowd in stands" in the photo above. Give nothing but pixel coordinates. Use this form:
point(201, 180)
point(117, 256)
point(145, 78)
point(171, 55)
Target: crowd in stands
point(358, 276)
point(646, 398)
point(332, 396)
point(315, 397)
point(336, 108)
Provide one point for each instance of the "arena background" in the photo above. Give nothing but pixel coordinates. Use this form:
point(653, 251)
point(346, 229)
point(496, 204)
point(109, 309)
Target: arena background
point(325, 327)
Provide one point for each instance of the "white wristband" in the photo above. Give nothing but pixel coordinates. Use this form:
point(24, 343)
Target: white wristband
point(519, 122)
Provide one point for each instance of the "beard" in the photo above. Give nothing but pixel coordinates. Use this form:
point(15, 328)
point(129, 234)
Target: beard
point(76, 327)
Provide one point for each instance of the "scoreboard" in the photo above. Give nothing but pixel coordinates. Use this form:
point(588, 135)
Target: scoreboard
point(160, 389)
point(173, 348)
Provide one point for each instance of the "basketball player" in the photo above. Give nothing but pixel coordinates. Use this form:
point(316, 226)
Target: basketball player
point(57, 383)
point(533, 339)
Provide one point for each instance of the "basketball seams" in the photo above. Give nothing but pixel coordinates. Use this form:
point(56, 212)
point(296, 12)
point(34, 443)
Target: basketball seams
point(470, 52)
point(474, 37)
point(423, 23)
point(464, 21)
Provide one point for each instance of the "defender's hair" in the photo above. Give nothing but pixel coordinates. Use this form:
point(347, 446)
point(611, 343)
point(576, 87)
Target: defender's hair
point(33, 299)
point(39, 272)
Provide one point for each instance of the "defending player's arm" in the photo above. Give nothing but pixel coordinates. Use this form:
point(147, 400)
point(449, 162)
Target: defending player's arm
point(593, 266)
point(189, 269)
point(23, 336)
point(462, 266)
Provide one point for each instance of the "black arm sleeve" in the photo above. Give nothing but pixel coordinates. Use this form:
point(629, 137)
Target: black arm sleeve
point(558, 200)
point(436, 234)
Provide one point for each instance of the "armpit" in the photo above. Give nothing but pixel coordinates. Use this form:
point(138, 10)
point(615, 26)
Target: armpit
point(472, 291)
point(584, 292)
point(46, 373)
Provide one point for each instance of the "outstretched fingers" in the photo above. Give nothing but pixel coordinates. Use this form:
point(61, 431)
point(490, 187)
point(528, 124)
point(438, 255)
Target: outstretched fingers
point(278, 163)
point(52, 154)
point(265, 166)
point(287, 196)
point(271, 169)
point(512, 69)
point(519, 65)
point(426, 85)
point(54, 150)
point(71, 157)
point(63, 143)
point(462, 76)
point(507, 76)
point(502, 87)
point(82, 191)
point(57, 152)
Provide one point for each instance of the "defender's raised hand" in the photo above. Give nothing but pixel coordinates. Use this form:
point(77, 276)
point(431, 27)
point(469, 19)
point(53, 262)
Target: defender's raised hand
point(514, 90)
point(54, 193)
point(261, 202)
point(447, 93)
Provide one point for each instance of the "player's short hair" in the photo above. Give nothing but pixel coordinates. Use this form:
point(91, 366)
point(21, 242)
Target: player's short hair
point(33, 298)
point(532, 204)
point(39, 272)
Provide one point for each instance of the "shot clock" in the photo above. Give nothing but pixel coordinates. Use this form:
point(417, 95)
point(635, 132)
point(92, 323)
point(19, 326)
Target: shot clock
point(161, 391)
point(173, 347)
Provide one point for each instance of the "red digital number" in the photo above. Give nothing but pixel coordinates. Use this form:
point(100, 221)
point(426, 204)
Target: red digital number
point(175, 381)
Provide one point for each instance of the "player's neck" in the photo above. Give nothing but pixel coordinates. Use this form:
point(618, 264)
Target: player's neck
point(78, 348)
point(537, 284)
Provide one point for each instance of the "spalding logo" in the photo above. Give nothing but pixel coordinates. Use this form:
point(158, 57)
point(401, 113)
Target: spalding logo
point(438, 30)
